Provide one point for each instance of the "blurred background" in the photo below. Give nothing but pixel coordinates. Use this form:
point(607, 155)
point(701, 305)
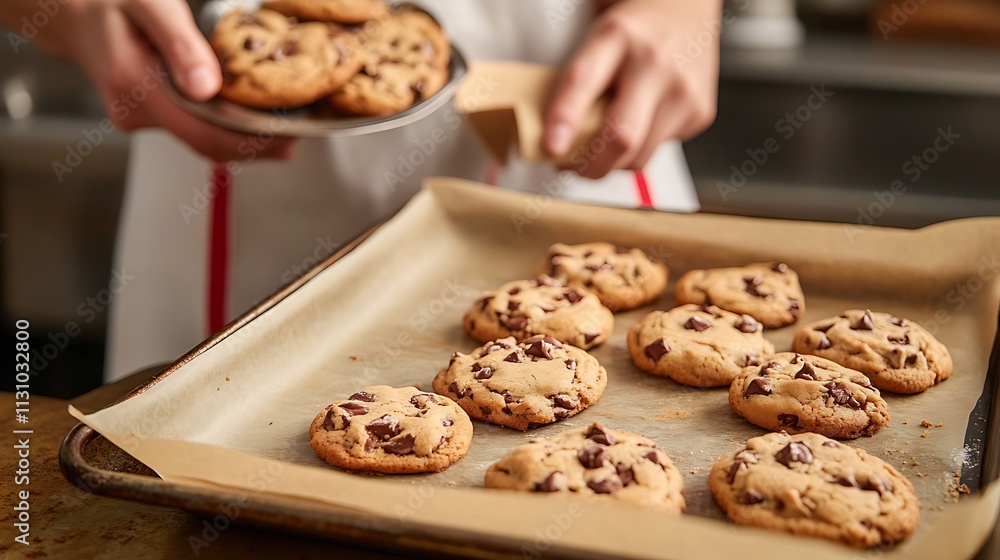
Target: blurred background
point(853, 111)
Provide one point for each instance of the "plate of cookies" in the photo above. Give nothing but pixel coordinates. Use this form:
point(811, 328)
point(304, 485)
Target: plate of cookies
point(328, 68)
point(601, 382)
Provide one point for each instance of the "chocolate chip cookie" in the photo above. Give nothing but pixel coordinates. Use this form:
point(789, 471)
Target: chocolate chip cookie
point(524, 308)
point(593, 461)
point(703, 346)
point(622, 278)
point(897, 354)
point(798, 393)
point(521, 386)
point(768, 292)
point(406, 62)
point(385, 430)
point(809, 485)
point(270, 61)
point(339, 11)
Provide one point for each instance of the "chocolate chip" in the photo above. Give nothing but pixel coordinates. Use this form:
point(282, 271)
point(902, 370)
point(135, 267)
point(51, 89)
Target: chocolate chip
point(400, 445)
point(897, 321)
point(796, 359)
point(508, 397)
point(513, 305)
point(905, 339)
point(484, 373)
point(588, 337)
point(747, 324)
point(657, 349)
point(593, 457)
point(570, 364)
point(653, 457)
point(739, 462)
point(564, 401)
point(485, 411)
point(878, 484)
point(606, 486)
point(823, 328)
point(794, 307)
point(485, 302)
point(370, 444)
point(506, 410)
point(447, 422)
point(807, 372)
point(752, 497)
point(252, 44)
point(514, 291)
point(600, 434)
point(751, 360)
point(540, 349)
point(789, 420)
point(832, 444)
point(418, 88)
point(516, 323)
point(779, 267)
point(362, 396)
point(794, 452)
point(767, 366)
point(911, 359)
point(697, 323)
point(573, 296)
point(384, 427)
point(561, 413)
point(865, 323)
point(848, 480)
point(494, 346)
point(626, 475)
point(354, 409)
point(842, 395)
point(453, 389)
point(328, 423)
point(758, 386)
point(284, 50)
point(823, 343)
point(513, 357)
point(550, 484)
point(753, 287)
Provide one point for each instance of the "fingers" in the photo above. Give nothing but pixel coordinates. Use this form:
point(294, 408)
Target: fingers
point(585, 79)
point(170, 26)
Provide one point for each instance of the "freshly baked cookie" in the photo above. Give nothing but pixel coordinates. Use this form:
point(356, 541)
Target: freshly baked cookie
point(270, 61)
point(340, 11)
point(703, 346)
point(521, 386)
point(797, 393)
point(898, 355)
point(768, 292)
point(593, 461)
point(623, 278)
point(385, 430)
point(810, 485)
point(406, 62)
point(524, 308)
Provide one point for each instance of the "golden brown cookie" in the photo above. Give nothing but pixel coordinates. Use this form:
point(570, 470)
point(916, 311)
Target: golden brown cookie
point(768, 292)
point(623, 278)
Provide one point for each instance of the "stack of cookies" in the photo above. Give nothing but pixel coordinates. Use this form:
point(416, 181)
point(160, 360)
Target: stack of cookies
point(346, 57)
point(533, 369)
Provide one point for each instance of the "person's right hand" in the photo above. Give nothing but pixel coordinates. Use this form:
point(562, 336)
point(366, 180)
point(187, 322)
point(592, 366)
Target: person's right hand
point(123, 46)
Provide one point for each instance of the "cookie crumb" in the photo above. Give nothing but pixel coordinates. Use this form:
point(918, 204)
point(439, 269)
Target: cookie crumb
point(926, 424)
point(674, 414)
point(353, 358)
point(227, 378)
point(923, 435)
point(269, 423)
point(963, 489)
point(939, 425)
point(906, 422)
point(921, 475)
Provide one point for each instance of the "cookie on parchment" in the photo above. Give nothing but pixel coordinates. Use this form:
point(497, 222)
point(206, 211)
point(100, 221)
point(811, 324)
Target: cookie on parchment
point(593, 461)
point(800, 393)
point(702, 346)
point(810, 485)
point(406, 62)
point(339, 11)
point(521, 386)
point(270, 61)
point(897, 354)
point(623, 278)
point(387, 430)
point(524, 308)
point(768, 292)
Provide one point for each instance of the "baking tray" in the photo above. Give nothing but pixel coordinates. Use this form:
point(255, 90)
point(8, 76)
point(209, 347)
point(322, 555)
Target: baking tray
point(304, 121)
point(483, 217)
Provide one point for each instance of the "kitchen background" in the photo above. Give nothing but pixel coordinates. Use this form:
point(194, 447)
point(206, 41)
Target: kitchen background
point(854, 111)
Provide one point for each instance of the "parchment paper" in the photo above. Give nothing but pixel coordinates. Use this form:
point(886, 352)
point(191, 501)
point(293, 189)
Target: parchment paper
point(389, 312)
point(505, 103)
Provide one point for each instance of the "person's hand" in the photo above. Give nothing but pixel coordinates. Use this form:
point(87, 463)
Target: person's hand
point(123, 45)
point(659, 61)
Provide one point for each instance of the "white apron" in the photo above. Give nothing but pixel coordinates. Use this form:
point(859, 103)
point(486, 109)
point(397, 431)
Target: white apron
point(200, 259)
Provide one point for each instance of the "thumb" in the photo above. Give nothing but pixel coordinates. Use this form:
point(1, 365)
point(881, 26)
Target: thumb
point(170, 26)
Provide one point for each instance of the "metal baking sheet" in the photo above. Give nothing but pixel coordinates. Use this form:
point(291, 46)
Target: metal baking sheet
point(390, 313)
point(305, 121)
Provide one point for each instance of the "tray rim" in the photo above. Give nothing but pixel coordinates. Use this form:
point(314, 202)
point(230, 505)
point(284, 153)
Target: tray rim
point(134, 487)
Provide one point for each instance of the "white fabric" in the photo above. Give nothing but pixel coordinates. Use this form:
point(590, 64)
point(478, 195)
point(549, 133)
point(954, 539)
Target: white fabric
point(285, 216)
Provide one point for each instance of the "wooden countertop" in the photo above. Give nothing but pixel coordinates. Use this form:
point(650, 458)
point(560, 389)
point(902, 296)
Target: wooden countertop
point(67, 522)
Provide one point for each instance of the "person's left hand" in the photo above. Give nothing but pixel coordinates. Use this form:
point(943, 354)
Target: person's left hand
point(659, 61)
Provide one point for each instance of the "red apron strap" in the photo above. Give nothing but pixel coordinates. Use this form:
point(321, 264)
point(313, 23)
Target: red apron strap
point(642, 189)
point(218, 248)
